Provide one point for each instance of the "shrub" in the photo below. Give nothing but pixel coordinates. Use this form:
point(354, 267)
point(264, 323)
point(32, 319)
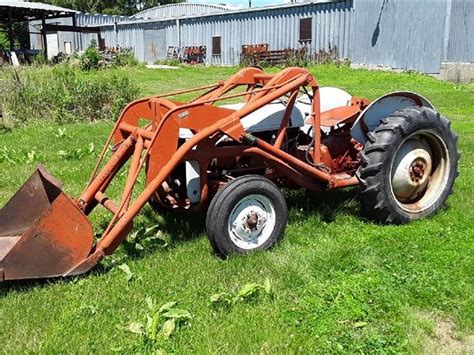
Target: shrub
point(125, 58)
point(39, 59)
point(63, 94)
point(92, 58)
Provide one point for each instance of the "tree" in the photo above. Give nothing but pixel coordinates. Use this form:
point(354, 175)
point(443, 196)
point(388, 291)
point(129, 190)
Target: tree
point(21, 36)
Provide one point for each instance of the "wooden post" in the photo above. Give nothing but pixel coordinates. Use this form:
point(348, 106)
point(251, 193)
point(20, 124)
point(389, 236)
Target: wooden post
point(10, 31)
point(75, 37)
point(43, 34)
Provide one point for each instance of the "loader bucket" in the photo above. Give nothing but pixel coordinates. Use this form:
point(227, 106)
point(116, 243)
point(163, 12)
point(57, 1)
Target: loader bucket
point(43, 233)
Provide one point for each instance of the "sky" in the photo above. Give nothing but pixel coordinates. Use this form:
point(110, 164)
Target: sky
point(242, 3)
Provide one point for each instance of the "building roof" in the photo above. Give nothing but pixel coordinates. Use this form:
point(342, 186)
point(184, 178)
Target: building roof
point(22, 10)
point(180, 10)
point(225, 11)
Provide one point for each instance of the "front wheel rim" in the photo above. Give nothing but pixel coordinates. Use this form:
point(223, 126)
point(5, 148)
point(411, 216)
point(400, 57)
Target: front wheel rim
point(251, 221)
point(419, 171)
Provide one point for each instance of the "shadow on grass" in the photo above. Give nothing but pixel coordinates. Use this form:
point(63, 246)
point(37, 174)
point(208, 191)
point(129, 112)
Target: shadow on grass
point(7, 287)
point(172, 228)
point(185, 226)
point(325, 205)
point(182, 227)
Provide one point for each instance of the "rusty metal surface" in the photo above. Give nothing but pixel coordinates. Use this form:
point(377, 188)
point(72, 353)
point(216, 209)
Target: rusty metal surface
point(339, 115)
point(42, 232)
point(27, 205)
point(6, 244)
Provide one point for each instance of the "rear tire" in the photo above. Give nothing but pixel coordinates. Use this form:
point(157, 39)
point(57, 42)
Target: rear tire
point(247, 214)
point(408, 166)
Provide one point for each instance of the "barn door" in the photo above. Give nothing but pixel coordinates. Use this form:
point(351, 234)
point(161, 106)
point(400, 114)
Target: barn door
point(52, 43)
point(155, 45)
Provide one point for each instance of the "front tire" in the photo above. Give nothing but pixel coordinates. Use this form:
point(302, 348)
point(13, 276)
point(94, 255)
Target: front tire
point(408, 166)
point(247, 214)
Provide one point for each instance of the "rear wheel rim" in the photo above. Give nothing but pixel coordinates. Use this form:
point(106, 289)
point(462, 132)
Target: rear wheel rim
point(251, 221)
point(419, 171)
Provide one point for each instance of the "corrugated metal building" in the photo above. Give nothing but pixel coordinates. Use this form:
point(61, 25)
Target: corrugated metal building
point(459, 44)
point(181, 10)
point(278, 26)
point(73, 40)
point(399, 34)
point(413, 34)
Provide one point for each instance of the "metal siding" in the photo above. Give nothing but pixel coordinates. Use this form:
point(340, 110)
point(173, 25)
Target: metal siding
point(413, 34)
point(83, 40)
point(36, 41)
point(277, 27)
point(180, 10)
point(460, 46)
point(86, 19)
point(401, 34)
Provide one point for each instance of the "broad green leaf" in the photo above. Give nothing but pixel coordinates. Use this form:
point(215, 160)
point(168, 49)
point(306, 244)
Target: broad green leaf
point(267, 285)
point(150, 303)
point(133, 235)
point(177, 313)
point(221, 298)
point(168, 328)
point(166, 307)
point(31, 156)
point(136, 328)
point(149, 323)
point(248, 290)
point(164, 239)
point(217, 297)
point(360, 324)
point(127, 271)
point(149, 229)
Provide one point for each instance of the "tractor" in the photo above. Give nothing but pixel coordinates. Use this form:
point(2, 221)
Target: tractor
point(230, 151)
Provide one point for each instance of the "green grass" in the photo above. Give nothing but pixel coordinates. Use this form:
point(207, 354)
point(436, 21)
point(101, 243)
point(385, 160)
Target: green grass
point(339, 283)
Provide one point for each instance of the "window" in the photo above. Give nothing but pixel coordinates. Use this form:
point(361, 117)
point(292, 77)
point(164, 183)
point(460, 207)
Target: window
point(67, 47)
point(216, 45)
point(305, 29)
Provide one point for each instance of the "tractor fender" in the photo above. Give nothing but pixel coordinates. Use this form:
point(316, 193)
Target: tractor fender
point(371, 117)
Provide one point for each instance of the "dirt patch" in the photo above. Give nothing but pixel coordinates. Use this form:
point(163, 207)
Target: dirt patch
point(445, 341)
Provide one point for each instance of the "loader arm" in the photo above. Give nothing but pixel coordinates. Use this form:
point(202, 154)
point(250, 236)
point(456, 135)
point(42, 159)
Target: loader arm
point(147, 134)
point(161, 138)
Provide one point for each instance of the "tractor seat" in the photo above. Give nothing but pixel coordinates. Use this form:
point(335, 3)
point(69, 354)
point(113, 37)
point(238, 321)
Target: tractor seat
point(336, 116)
point(335, 107)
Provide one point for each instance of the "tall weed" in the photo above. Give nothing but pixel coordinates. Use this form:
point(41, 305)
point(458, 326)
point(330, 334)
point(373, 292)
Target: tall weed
point(62, 94)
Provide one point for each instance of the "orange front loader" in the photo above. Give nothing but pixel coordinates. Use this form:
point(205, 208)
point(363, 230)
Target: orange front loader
point(44, 233)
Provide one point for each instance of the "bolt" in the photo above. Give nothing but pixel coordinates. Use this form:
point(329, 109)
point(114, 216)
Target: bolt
point(417, 170)
point(252, 221)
